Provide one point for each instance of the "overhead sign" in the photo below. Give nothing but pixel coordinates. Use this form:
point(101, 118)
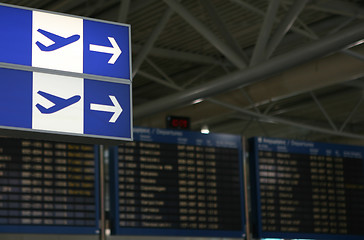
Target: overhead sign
point(59, 42)
point(68, 105)
point(81, 81)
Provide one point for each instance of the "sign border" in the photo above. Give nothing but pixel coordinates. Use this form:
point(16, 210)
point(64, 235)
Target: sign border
point(74, 74)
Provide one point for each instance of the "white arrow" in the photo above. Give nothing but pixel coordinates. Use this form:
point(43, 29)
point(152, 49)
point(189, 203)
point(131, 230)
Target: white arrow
point(115, 108)
point(114, 50)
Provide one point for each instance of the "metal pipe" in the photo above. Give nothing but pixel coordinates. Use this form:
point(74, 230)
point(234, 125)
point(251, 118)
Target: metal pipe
point(288, 122)
point(225, 49)
point(351, 114)
point(216, 19)
point(284, 26)
point(151, 40)
point(353, 54)
point(257, 11)
point(322, 109)
point(276, 65)
point(266, 28)
point(123, 10)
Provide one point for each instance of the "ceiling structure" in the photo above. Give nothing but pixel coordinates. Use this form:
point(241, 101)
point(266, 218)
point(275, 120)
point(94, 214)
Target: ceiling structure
point(278, 68)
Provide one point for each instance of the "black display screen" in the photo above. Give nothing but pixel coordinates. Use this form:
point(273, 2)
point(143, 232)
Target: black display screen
point(178, 183)
point(307, 189)
point(47, 187)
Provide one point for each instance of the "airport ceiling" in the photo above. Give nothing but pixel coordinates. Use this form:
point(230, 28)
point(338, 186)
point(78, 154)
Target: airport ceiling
point(288, 68)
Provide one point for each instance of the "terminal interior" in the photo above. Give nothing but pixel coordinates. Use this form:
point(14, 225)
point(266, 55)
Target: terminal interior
point(261, 70)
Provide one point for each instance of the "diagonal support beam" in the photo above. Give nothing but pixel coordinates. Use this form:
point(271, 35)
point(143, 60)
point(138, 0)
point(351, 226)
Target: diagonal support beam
point(239, 78)
point(179, 55)
point(344, 8)
point(123, 10)
point(252, 105)
point(160, 71)
point(265, 30)
point(250, 100)
point(160, 81)
point(351, 114)
point(322, 109)
point(353, 54)
point(214, 16)
point(287, 122)
point(150, 42)
point(202, 73)
point(261, 13)
point(285, 25)
point(224, 48)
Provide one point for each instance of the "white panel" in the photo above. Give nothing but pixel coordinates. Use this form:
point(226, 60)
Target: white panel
point(68, 57)
point(67, 119)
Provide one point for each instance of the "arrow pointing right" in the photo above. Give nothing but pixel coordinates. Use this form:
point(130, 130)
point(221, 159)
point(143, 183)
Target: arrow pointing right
point(115, 108)
point(114, 50)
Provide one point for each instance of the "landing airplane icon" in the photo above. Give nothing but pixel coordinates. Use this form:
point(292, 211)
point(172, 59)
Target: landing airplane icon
point(58, 41)
point(59, 103)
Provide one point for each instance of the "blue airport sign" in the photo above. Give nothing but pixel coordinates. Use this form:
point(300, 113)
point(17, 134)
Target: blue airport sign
point(66, 105)
point(60, 42)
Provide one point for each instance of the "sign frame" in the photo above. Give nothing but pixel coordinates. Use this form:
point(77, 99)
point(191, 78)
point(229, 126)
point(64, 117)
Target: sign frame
point(107, 79)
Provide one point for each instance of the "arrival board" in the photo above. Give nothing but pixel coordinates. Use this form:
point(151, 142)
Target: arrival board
point(47, 187)
point(307, 190)
point(171, 182)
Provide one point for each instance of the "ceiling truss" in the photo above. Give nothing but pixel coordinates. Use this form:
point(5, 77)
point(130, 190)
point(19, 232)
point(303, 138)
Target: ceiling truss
point(259, 67)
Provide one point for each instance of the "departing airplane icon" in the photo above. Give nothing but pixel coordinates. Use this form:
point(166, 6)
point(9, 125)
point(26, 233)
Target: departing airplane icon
point(58, 41)
point(59, 103)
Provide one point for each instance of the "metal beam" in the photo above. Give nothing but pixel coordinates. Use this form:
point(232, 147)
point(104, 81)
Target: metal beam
point(322, 109)
point(224, 48)
point(65, 6)
point(189, 82)
point(284, 26)
point(160, 81)
point(123, 10)
point(160, 71)
point(214, 16)
point(261, 13)
point(150, 42)
point(178, 55)
point(339, 7)
point(239, 78)
point(288, 122)
point(140, 4)
point(250, 100)
point(351, 114)
point(353, 54)
point(266, 28)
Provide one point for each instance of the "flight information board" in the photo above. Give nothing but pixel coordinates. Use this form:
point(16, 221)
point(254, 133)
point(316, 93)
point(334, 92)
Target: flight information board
point(48, 187)
point(307, 190)
point(180, 183)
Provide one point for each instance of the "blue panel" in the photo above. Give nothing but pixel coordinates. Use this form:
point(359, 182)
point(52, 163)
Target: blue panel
point(16, 35)
point(97, 33)
point(97, 122)
point(15, 98)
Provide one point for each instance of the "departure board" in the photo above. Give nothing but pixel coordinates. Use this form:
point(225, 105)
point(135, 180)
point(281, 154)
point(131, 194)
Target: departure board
point(178, 183)
point(48, 187)
point(307, 190)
